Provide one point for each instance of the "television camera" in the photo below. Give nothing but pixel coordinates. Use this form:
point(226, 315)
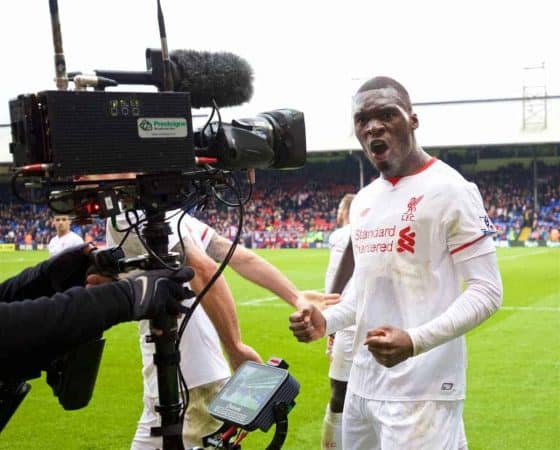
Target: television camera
point(97, 152)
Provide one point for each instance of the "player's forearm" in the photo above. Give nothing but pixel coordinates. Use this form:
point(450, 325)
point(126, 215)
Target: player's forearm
point(218, 304)
point(220, 308)
point(256, 269)
point(480, 300)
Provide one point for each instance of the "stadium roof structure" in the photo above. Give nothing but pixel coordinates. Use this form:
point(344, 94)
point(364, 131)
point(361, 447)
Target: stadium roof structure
point(457, 123)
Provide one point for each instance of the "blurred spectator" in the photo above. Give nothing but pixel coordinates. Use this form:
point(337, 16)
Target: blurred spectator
point(65, 237)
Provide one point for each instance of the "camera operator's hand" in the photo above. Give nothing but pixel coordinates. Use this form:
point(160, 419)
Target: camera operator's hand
point(155, 292)
point(68, 268)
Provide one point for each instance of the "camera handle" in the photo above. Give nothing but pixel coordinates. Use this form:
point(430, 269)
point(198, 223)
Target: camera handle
point(281, 411)
point(166, 357)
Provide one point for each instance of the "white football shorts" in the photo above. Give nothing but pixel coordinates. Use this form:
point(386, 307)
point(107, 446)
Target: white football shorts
point(397, 425)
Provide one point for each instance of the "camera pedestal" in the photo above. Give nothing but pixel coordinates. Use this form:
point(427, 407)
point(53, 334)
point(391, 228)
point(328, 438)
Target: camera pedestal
point(164, 335)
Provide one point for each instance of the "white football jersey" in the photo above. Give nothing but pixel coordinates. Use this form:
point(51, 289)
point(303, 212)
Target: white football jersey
point(407, 234)
point(58, 244)
point(202, 360)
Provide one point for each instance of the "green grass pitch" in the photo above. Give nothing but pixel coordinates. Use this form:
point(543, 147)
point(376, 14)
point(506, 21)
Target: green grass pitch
point(513, 400)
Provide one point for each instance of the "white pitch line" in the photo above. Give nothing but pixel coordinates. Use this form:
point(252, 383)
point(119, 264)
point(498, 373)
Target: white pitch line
point(17, 260)
point(257, 301)
point(521, 255)
point(260, 301)
point(531, 308)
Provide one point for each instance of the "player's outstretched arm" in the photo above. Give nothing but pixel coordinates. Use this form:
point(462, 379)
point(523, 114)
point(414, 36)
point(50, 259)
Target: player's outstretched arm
point(259, 271)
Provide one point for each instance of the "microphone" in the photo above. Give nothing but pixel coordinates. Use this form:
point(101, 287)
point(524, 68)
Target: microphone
point(223, 77)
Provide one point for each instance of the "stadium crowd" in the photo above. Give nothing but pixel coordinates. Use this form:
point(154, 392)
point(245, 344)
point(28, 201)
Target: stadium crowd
point(297, 209)
point(509, 199)
point(31, 226)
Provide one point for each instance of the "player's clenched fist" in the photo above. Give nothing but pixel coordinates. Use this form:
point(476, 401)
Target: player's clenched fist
point(308, 324)
point(389, 345)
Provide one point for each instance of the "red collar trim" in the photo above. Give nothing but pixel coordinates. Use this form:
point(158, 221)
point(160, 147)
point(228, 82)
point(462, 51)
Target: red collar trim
point(395, 180)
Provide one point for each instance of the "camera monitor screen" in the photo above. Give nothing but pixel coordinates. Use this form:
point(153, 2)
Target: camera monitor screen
point(248, 398)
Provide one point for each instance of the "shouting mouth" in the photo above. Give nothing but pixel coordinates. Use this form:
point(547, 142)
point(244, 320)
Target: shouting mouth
point(378, 148)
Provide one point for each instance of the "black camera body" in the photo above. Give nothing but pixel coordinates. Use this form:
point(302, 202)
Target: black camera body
point(78, 133)
point(98, 132)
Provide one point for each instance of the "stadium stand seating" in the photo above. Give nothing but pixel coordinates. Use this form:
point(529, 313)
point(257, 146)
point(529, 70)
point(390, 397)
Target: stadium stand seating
point(295, 209)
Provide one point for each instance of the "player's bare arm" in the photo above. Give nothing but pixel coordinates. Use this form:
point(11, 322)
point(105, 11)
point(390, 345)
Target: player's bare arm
point(219, 305)
point(218, 247)
point(259, 271)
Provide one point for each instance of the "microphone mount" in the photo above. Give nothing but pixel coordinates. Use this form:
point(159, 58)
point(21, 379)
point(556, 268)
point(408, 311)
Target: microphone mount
point(154, 76)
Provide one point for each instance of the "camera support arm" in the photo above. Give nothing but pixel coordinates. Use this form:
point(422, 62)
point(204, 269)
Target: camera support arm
point(164, 335)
